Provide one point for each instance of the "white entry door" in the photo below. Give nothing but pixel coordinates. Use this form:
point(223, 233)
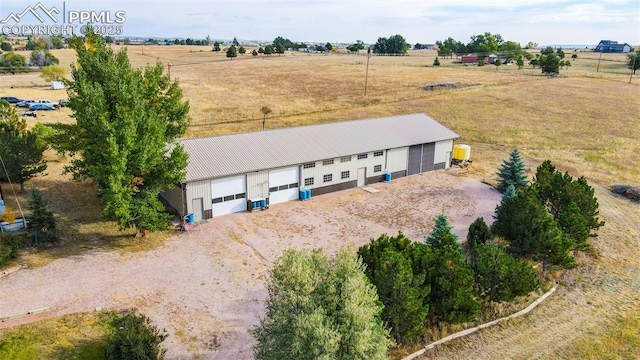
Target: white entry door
point(229, 195)
point(362, 176)
point(284, 185)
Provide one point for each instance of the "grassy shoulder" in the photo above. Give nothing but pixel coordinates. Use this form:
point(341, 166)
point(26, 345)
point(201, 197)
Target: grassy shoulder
point(73, 336)
point(621, 342)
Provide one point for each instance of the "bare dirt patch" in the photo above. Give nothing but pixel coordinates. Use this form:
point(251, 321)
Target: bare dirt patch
point(207, 287)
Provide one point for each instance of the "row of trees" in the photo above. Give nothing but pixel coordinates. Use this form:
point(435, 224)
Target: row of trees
point(547, 219)
point(319, 307)
point(482, 44)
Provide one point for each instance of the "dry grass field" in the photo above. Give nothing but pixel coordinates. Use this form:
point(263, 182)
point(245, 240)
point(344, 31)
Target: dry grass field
point(586, 122)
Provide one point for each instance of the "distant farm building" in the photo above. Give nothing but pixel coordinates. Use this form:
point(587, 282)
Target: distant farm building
point(610, 46)
point(474, 59)
point(228, 174)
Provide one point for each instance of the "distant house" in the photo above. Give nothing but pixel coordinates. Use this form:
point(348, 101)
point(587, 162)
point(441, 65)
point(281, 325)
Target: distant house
point(610, 46)
point(474, 58)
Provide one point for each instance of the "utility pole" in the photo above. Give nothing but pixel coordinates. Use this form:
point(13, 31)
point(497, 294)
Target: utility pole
point(366, 75)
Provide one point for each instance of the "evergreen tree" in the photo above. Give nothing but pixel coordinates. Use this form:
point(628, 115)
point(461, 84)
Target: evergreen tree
point(511, 172)
point(235, 42)
point(398, 267)
point(499, 276)
point(216, 46)
point(436, 62)
point(531, 231)
point(572, 203)
point(124, 137)
point(41, 222)
point(232, 52)
point(320, 309)
point(479, 233)
point(254, 53)
point(242, 50)
point(450, 277)
point(441, 234)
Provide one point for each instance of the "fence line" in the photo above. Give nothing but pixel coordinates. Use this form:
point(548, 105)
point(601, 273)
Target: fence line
point(486, 325)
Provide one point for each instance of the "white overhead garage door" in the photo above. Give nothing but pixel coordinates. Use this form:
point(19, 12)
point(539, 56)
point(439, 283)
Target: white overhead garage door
point(284, 185)
point(229, 195)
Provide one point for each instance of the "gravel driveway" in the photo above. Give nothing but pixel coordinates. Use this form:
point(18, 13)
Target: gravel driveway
point(207, 287)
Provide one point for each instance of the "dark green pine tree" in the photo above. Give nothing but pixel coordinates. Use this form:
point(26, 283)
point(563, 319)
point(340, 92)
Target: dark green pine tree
point(571, 202)
point(511, 172)
point(452, 296)
point(397, 267)
point(402, 295)
point(499, 276)
point(531, 231)
point(479, 233)
point(42, 223)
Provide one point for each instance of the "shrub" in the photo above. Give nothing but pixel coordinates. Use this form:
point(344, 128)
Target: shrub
point(135, 338)
point(9, 247)
point(8, 215)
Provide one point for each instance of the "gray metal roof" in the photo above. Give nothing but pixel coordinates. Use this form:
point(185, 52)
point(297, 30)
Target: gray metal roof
point(218, 156)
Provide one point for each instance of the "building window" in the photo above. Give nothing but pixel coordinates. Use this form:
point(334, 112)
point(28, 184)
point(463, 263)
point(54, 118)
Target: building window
point(216, 200)
point(293, 186)
point(327, 162)
point(327, 178)
point(363, 156)
point(345, 159)
point(308, 181)
point(309, 165)
point(378, 153)
point(273, 189)
point(240, 196)
point(283, 187)
point(344, 175)
point(228, 198)
point(377, 168)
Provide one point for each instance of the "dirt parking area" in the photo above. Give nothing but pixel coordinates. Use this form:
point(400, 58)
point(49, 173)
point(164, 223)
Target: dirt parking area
point(207, 287)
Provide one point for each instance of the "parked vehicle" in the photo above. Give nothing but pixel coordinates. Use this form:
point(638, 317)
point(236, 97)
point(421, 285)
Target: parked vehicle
point(63, 102)
point(55, 105)
point(10, 99)
point(41, 106)
point(25, 103)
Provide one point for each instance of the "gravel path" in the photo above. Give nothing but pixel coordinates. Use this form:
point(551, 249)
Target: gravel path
point(207, 287)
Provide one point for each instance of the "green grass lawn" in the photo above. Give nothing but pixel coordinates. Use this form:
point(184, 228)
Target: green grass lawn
point(75, 336)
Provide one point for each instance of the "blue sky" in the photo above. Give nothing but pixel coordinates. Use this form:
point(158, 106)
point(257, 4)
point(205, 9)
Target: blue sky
point(424, 21)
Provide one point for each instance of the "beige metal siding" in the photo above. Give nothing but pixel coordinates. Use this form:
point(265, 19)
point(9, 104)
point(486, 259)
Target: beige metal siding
point(244, 153)
point(199, 189)
point(338, 167)
point(258, 184)
point(397, 159)
point(443, 150)
point(174, 198)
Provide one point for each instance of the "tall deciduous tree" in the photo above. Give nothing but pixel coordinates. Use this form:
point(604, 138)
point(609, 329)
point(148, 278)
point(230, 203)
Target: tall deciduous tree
point(53, 73)
point(355, 47)
point(321, 309)
point(124, 138)
point(394, 45)
point(511, 172)
point(398, 268)
point(20, 149)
